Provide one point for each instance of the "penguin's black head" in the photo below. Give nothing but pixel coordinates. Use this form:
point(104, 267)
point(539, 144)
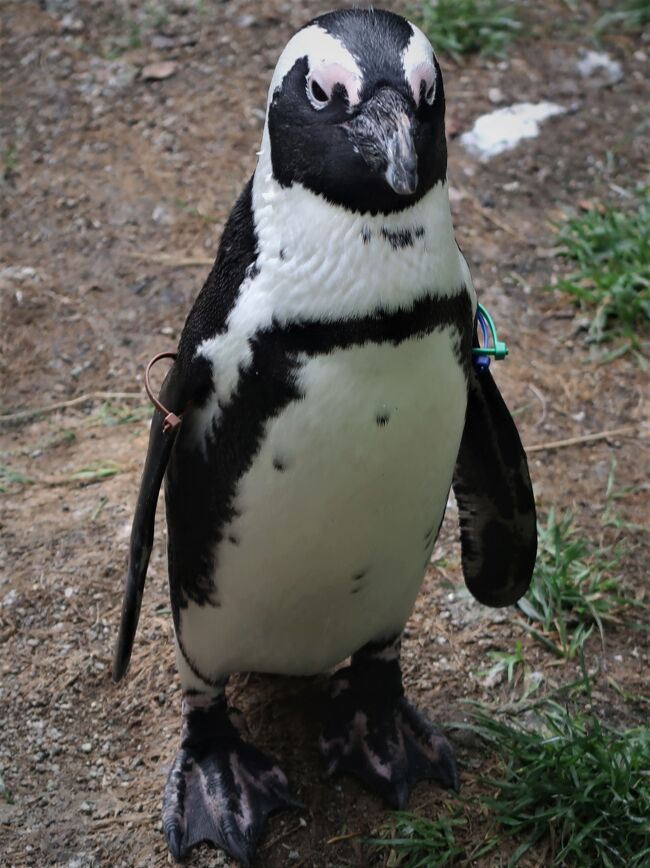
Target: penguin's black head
point(357, 112)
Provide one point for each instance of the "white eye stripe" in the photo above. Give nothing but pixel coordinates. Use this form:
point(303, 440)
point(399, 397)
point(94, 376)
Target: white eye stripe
point(423, 82)
point(321, 51)
point(419, 66)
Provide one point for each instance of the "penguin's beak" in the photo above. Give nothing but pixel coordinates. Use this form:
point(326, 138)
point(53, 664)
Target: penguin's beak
point(382, 132)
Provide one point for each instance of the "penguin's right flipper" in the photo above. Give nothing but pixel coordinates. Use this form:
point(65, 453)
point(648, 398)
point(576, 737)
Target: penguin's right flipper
point(160, 447)
point(495, 498)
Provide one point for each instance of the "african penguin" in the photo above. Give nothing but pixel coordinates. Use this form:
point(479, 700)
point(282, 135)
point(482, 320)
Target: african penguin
point(328, 403)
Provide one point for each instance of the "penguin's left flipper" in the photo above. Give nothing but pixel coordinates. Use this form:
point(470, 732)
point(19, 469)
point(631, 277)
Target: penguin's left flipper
point(495, 499)
point(160, 448)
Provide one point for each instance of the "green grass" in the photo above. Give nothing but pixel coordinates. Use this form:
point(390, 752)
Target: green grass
point(11, 476)
point(458, 27)
point(568, 784)
point(113, 413)
point(417, 842)
point(9, 164)
point(611, 251)
point(576, 586)
point(508, 664)
point(574, 784)
point(95, 472)
point(632, 15)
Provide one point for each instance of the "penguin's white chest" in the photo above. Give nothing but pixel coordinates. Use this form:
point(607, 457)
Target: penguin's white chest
point(338, 514)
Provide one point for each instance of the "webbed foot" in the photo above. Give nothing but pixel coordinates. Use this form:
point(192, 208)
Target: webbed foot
point(374, 733)
point(220, 788)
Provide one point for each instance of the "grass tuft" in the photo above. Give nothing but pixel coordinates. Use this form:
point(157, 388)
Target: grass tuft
point(11, 476)
point(458, 27)
point(611, 249)
point(95, 472)
point(113, 413)
point(419, 842)
point(508, 664)
point(574, 783)
point(576, 586)
point(632, 15)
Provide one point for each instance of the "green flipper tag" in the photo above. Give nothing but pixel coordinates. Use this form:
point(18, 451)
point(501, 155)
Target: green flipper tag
point(498, 350)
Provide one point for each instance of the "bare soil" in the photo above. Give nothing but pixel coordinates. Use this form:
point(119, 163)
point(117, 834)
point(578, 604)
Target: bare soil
point(114, 192)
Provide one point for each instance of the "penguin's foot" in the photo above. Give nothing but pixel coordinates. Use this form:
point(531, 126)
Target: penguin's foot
point(220, 788)
point(372, 732)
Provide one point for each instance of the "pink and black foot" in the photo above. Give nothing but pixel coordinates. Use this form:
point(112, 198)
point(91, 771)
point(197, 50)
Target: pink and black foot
point(372, 732)
point(220, 788)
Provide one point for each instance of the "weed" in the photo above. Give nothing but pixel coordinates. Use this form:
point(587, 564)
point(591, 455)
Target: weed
point(575, 587)
point(157, 16)
point(112, 413)
point(195, 212)
point(101, 503)
point(508, 663)
point(612, 281)
point(10, 476)
point(419, 842)
point(574, 782)
point(633, 15)
point(458, 27)
point(9, 164)
point(6, 795)
point(95, 471)
point(611, 517)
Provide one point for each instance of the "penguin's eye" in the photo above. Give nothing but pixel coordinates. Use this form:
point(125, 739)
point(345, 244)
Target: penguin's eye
point(332, 83)
point(429, 95)
point(317, 94)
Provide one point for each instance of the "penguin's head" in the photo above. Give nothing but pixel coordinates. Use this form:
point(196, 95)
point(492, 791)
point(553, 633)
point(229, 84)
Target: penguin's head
point(356, 112)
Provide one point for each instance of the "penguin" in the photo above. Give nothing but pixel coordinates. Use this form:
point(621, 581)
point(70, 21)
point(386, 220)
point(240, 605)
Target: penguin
point(320, 407)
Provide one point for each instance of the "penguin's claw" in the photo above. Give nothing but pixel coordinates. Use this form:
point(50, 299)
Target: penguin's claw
point(222, 794)
point(388, 745)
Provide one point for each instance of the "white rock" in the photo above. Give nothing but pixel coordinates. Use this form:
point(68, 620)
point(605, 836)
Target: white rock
point(503, 129)
point(11, 598)
point(495, 95)
point(599, 64)
point(162, 216)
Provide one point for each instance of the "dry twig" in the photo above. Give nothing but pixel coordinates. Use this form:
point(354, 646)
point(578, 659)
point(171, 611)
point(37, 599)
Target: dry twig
point(585, 438)
point(20, 415)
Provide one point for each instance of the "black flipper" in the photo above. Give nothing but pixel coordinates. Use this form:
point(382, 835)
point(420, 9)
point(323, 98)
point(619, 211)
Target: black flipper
point(496, 505)
point(158, 452)
point(189, 381)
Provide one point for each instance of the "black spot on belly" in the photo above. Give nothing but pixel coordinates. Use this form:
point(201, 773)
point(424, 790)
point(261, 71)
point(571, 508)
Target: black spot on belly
point(383, 419)
point(358, 576)
point(397, 238)
point(356, 590)
point(232, 538)
point(419, 231)
point(279, 464)
point(366, 235)
point(282, 254)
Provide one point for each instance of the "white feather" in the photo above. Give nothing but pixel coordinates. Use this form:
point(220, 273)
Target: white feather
point(354, 497)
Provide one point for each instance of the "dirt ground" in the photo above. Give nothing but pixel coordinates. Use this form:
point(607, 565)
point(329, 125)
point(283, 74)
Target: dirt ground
point(115, 187)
